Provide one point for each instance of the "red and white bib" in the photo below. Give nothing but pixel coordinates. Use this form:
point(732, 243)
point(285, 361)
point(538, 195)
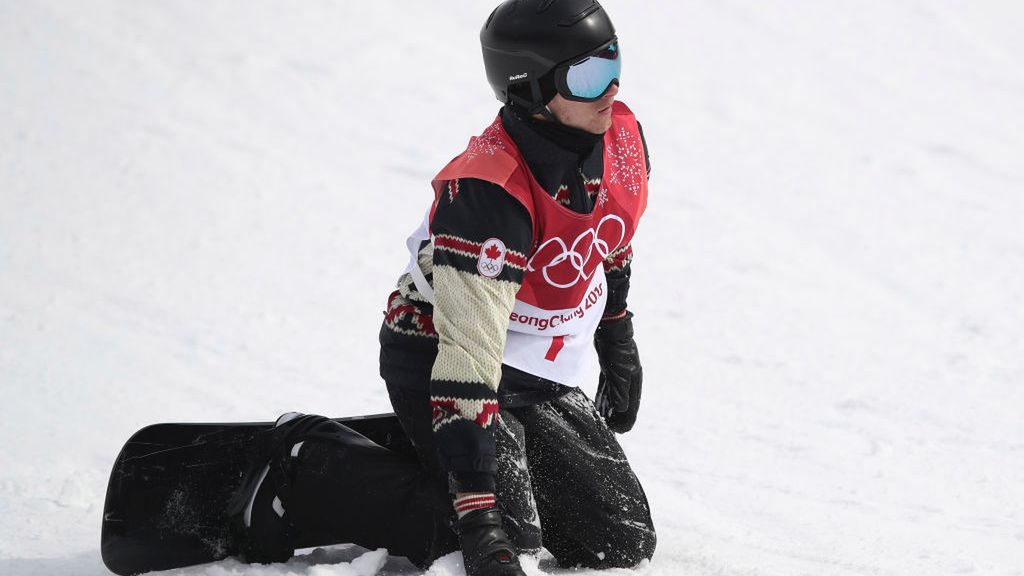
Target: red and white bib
point(562, 298)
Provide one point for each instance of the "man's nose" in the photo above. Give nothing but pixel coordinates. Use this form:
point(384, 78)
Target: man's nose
point(612, 90)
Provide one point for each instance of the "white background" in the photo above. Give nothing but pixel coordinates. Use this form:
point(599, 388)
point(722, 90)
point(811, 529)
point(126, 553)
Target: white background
point(203, 207)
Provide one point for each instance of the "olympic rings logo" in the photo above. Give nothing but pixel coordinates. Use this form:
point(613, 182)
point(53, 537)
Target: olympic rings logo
point(571, 264)
point(491, 267)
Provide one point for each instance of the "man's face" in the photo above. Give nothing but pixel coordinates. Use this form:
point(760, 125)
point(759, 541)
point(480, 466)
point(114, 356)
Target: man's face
point(594, 117)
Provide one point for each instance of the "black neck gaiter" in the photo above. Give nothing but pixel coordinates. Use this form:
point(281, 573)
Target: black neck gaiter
point(574, 140)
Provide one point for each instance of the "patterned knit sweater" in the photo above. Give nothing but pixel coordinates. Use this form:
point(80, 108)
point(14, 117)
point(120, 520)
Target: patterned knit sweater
point(459, 341)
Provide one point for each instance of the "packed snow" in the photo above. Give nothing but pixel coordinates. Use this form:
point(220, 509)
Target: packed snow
point(203, 207)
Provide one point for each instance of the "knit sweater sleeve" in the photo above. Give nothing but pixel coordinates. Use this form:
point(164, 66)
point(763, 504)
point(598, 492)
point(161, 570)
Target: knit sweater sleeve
point(481, 236)
point(617, 270)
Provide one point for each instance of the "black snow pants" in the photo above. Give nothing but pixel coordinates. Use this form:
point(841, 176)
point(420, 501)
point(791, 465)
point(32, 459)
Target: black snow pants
point(563, 483)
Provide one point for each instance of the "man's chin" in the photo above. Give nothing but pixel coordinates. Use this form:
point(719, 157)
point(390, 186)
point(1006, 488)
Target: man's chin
point(600, 127)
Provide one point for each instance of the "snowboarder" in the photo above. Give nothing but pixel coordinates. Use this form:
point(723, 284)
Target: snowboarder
point(520, 267)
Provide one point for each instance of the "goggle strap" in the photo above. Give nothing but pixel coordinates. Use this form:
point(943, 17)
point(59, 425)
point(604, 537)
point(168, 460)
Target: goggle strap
point(540, 107)
point(534, 106)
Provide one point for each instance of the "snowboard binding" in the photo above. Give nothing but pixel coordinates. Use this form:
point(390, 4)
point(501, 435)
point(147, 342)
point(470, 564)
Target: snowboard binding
point(179, 492)
point(258, 509)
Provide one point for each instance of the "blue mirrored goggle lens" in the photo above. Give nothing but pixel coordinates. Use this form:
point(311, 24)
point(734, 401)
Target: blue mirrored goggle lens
point(590, 78)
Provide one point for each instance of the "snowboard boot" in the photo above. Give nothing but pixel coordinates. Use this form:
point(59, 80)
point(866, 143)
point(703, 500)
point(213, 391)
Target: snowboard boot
point(486, 549)
point(259, 521)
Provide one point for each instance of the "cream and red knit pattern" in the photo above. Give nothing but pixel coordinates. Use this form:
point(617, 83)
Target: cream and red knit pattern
point(481, 411)
point(469, 502)
point(620, 259)
point(471, 314)
point(470, 249)
point(409, 317)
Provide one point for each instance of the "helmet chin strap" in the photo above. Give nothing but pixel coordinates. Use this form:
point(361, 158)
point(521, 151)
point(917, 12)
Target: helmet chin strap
point(536, 106)
point(542, 108)
point(546, 113)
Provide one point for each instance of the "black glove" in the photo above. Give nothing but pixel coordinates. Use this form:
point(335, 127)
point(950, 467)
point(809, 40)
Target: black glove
point(486, 549)
point(618, 389)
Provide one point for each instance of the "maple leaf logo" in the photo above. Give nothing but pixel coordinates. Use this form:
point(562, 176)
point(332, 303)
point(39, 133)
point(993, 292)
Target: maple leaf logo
point(492, 252)
point(491, 260)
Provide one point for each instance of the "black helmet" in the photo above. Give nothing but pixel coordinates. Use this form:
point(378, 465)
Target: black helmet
point(524, 41)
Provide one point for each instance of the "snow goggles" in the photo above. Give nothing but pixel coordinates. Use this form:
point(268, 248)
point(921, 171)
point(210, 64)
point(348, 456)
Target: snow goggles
point(588, 79)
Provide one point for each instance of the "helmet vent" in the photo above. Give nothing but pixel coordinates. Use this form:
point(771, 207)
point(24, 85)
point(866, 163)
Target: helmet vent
point(545, 5)
point(572, 20)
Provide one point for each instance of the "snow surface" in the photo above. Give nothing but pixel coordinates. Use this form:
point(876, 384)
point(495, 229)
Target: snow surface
point(202, 208)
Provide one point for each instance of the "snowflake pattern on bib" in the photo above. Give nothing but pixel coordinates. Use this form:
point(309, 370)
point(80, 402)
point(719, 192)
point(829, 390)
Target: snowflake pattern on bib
point(487, 143)
point(627, 167)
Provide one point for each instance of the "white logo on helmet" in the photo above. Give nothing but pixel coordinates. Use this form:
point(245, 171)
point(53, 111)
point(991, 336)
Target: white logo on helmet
point(518, 77)
point(569, 264)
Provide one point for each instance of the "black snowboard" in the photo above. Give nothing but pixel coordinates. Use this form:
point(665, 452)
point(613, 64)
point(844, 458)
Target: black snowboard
point(170, 487)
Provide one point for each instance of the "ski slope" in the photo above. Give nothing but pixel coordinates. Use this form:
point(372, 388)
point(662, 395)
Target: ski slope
point(203, 208)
